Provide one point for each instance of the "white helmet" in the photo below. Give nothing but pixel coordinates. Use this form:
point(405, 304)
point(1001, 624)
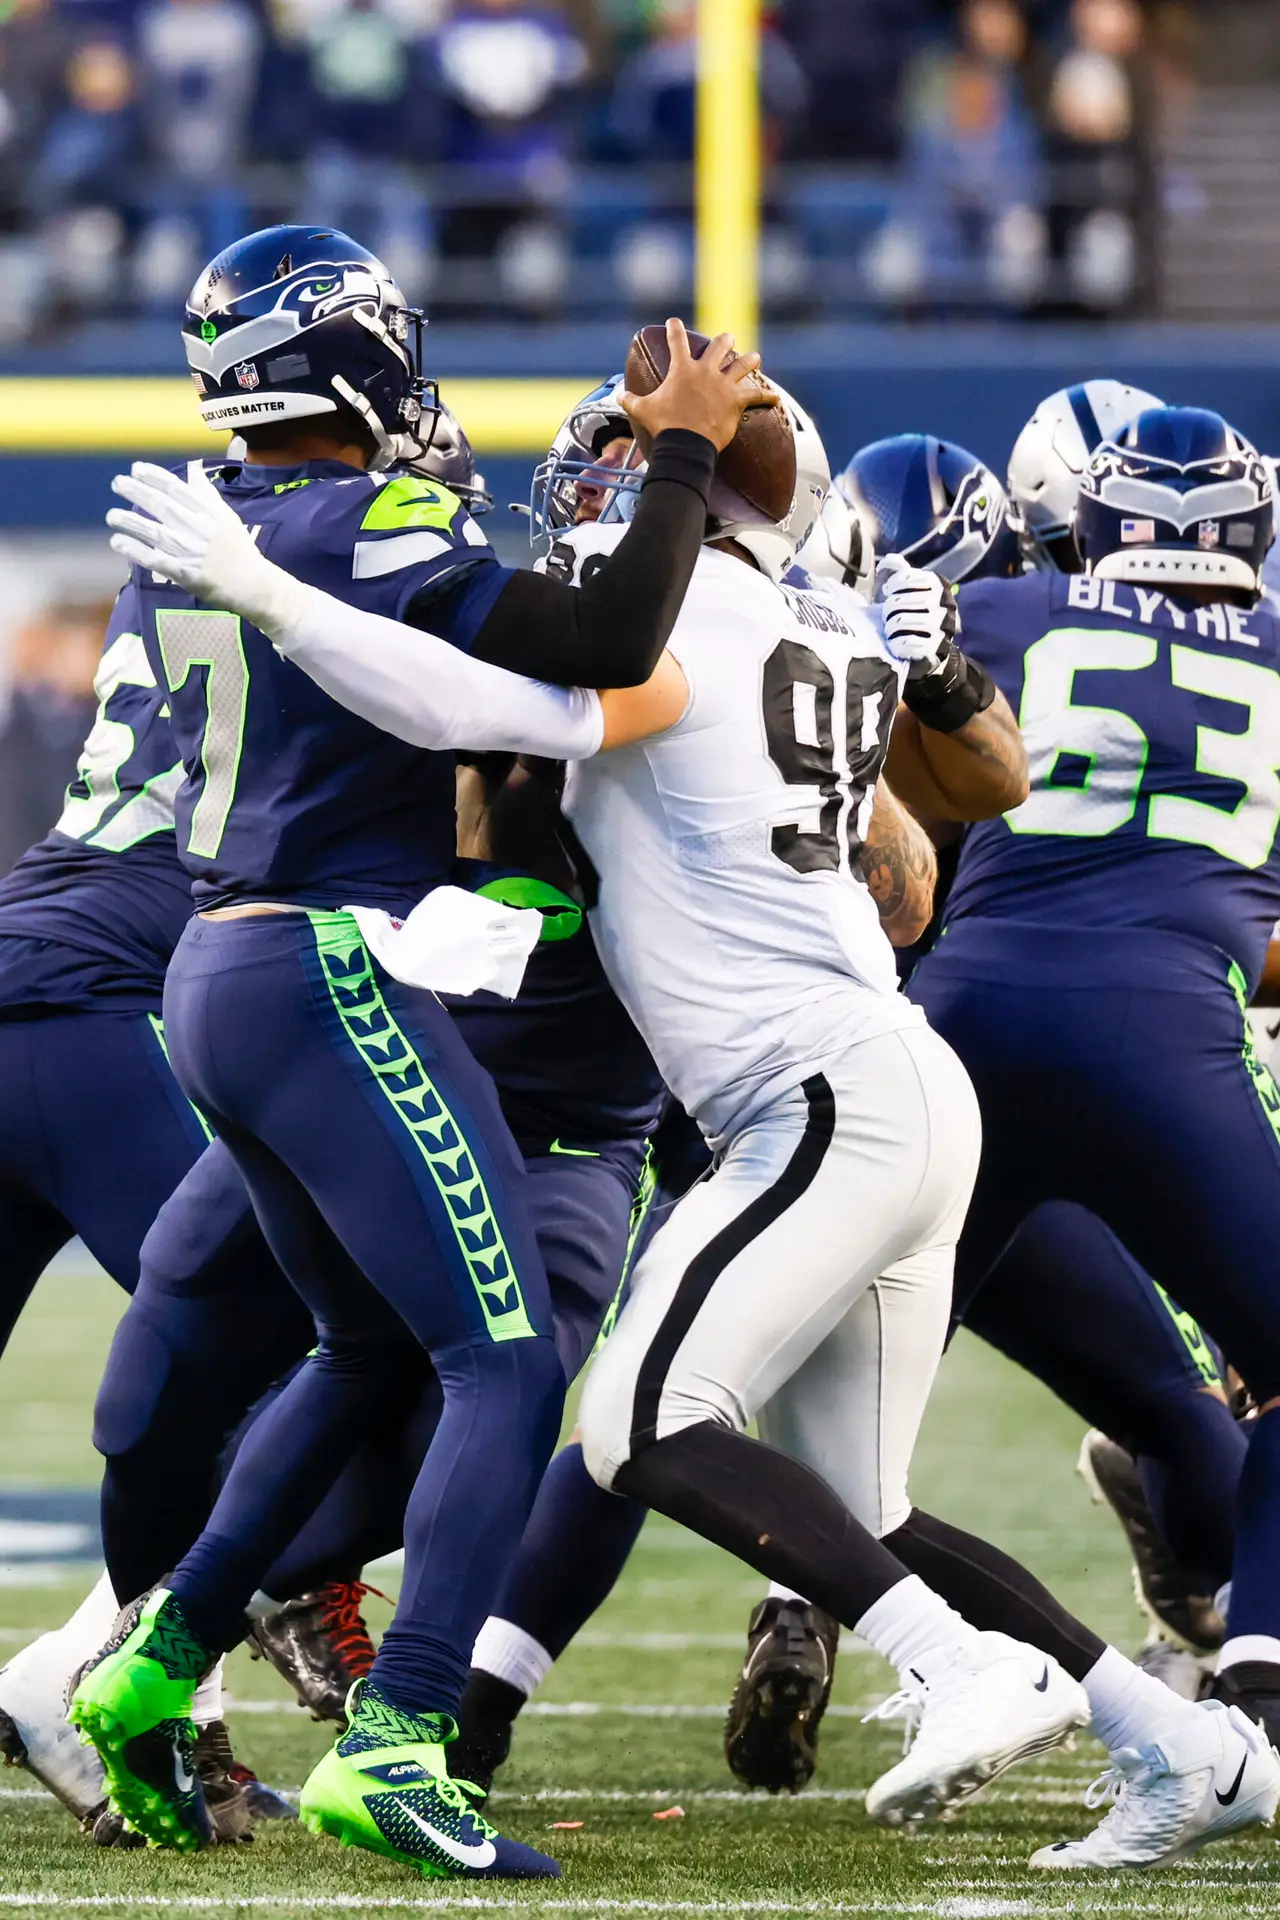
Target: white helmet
point(1048, 462)
point(773, 544)
point(840, 548)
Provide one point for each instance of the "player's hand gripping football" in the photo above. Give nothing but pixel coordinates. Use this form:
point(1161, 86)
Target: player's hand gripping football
point(920, 618)
point(187, 533)
point(708, 395)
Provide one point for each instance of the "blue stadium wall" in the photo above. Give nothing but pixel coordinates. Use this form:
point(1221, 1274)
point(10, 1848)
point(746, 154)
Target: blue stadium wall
point(976, 385)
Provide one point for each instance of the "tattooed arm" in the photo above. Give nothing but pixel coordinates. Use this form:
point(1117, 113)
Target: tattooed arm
point(899, 866)
point(975, 773)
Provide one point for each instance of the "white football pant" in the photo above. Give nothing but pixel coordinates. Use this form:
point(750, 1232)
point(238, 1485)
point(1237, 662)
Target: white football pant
point(808, 1280)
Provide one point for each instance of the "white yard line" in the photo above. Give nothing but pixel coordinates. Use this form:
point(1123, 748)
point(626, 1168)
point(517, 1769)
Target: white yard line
point(949, 1907)
point(572, 1709)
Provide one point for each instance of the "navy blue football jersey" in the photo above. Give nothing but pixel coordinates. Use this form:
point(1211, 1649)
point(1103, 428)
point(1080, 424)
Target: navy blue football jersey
point(288, 796)
point(567, 1059)
point(1153, 733)
point(90, 915)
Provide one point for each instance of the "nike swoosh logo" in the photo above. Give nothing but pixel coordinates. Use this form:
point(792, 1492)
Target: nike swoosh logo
point(1042, 1684)
point(575, 1153)
point(185, 1781)
point(1225, 1799)
point(483, 1855)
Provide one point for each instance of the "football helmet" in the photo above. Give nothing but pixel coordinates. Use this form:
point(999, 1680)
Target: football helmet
point(839, 548)
point(773, 545)
point(572, 476)
point(1179, 499)
point(935, 504)
point(291, 321)
point(1048, 462)
point(451, 460)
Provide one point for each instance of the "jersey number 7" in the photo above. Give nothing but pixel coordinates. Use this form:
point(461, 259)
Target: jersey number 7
point(200, 638)
point(799, 707)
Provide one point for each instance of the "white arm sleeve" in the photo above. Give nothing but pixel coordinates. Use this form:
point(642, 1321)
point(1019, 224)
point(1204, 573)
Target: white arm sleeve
point(423, 690)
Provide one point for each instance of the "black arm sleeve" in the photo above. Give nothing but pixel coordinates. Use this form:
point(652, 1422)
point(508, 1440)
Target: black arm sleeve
point(611, 631)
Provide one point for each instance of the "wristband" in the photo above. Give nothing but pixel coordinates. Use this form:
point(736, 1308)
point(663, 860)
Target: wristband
point(686, 457)
point(956, 690)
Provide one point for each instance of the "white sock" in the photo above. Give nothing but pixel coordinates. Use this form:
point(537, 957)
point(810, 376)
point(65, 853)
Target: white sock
point(1130, 1707)
point(509, 1653)
point(207, 1706)
point(912, 1620)
point(49, 1662)
point(1248, 1646)
point(778, 1592)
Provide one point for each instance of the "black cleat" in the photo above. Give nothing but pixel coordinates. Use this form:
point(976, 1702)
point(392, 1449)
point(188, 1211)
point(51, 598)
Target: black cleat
point(771, 1732)
point(1254, 1687)
point(320, 1645)
point(1163, 1588)
point(486, 1720)
point(223, 1794)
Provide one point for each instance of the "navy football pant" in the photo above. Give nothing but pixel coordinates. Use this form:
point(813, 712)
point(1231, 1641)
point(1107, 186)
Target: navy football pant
point(95, 1134)
point(1068, 1303)
point(390, 1190)
point(583, 1209)
point(1144, 1104)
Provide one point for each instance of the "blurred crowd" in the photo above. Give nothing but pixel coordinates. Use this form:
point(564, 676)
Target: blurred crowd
point(532, 156)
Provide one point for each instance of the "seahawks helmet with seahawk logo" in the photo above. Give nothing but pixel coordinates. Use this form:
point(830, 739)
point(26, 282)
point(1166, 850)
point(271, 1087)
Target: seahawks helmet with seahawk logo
point(1177, 498)
point(292, 322)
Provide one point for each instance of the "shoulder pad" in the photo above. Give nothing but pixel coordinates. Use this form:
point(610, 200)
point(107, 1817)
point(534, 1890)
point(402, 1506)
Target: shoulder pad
point(408, 502)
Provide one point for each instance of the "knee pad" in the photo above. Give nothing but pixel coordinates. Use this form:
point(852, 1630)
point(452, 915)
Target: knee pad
point(138, 1379)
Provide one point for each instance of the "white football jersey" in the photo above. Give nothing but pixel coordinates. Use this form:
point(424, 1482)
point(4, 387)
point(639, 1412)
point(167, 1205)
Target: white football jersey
point(733, 922)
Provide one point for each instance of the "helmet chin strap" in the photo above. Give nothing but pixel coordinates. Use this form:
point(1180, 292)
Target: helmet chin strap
point(388, 447)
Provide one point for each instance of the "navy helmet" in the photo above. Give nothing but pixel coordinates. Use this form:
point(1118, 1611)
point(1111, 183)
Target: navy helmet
point(450, 459)
point(1178, 498)
point(292, 322)
point(571, 484)
point(934, 503)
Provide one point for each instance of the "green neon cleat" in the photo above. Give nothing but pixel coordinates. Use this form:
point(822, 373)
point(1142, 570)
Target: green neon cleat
point(385, 1786)
point(133, 1701)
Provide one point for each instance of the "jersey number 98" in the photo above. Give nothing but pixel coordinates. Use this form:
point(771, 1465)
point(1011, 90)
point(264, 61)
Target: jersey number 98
point(799, 708)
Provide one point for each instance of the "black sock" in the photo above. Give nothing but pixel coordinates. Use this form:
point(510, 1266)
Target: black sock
point(767, 1509)
point(487, 1699)
point(992, 1591)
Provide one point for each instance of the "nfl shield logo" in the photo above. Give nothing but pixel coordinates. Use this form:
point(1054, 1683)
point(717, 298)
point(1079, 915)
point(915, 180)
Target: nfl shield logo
point(247, 375)
point(1210, 534)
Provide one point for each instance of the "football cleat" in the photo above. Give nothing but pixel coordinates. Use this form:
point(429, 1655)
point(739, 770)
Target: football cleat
point(976, 1712)
point(771, 1731)
point(1190, 1675)
point(1216, 1774)
point(34, 1733)
point(1254, 1687)
point(319, 1644)
point(133, 1701)
point(1161, 1585)
point(233, 1794)
point(385, 1786)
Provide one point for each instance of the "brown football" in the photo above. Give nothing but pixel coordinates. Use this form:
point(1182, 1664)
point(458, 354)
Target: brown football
point(759, 463)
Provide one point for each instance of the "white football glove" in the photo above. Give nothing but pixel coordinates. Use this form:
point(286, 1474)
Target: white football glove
point(187, 533)
point(919, 609)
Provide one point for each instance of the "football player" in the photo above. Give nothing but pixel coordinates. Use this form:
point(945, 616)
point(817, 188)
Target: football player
point(1107, 934)
point(705, 1339)
point(378, 1161)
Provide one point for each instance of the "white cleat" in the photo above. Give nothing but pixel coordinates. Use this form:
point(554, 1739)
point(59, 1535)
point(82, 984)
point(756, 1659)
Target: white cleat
point(978, 1711)
point(34, 1731)
point(1215, 1774)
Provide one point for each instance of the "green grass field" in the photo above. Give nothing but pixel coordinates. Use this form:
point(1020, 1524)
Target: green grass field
point(629, 1724)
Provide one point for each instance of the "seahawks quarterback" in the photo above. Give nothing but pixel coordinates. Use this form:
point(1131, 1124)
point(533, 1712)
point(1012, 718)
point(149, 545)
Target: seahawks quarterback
point(406, 1207)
